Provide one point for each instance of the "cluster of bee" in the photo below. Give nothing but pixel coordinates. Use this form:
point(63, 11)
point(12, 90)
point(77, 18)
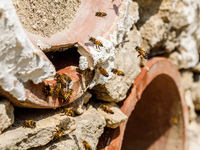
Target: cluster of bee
point(113, 70)
point(87, 145)
point(59, 88)
point(29, 124)
point(106, 109)
point(58, 133)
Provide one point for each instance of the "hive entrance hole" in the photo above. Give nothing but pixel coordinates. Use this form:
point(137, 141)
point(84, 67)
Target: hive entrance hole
point(60, 60)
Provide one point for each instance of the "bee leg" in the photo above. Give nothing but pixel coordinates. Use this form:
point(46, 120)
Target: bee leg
point(138, 55)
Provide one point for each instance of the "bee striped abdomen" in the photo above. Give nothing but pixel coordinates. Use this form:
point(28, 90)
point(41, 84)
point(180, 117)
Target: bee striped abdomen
point(103, 72)
point(141, 52)
point(118, 72)
point(100, 14)
point(95, 41)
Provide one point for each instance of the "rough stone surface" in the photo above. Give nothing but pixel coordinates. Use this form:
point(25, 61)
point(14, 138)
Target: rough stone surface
point(127, 61)
point(162, 29)
point(190, 104)
point(193, 131)
point(78, 105)
point(112, 120)
point(20, 60)
point(195, 88)
point(19, 138)
point(6, 114)
point(45, 17)
point(186, 79)
point(89, 127)
point(196, 68)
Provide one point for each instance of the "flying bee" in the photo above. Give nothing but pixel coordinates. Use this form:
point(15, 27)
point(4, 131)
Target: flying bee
point(58, 133)
point(118, 72)
point(100, 14)
point(29, 124)
point(87, 145)
point(69, 94)
point(95, 41)
point(103, 72)
point(141, 52)
point(47, 90)
point(69, 112)
point(106, 109)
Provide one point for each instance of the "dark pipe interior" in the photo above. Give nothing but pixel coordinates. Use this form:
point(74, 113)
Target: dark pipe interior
point(156, 122)
point(63, 59)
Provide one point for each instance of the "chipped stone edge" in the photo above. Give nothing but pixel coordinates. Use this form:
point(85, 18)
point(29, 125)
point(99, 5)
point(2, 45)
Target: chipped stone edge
point(21, 60)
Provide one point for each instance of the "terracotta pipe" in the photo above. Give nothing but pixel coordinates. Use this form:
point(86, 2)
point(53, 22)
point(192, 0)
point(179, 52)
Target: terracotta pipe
point(70, 44)
point(156, 109)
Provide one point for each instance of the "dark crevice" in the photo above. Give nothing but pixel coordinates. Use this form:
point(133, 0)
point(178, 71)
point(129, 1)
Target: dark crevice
point(64, 59)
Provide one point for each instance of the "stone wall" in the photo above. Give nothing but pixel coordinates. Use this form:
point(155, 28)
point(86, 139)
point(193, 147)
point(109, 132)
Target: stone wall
point(164, 28)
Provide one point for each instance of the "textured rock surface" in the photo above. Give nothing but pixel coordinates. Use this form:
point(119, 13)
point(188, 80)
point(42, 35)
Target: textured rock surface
point(46, 125)
point(172, 29)
point(162, 29)
point(193, 134)
point(6, 114)
point(195, 88)
point(127, 61)
point(20, 60)
point(77, 106)
point(89, 127)
point(113, 120)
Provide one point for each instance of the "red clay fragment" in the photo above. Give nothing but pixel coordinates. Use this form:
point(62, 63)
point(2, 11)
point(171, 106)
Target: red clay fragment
point(84, 23)
point(159, 119)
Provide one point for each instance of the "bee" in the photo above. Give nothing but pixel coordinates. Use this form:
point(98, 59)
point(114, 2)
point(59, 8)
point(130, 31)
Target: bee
point(68, 112)
point(59, 77)
point(63, 79)
point(58, 133)
point(57, 89)
point(118, 72)
point(141, 52)
point(29, 124)
point(69, 94)
point(48, 90)
point(87, 145)
point(62, 95)
point(106, 109)
point(67, 78)
point(100, 14)
point(103, 72)
point(95, 41)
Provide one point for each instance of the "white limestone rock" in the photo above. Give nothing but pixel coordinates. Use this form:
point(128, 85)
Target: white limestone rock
point(20, 60)
point(18, 138)
point(113, 120)
point(78, 105)
point(6, 114)
point(89, 127)
point(115, 89)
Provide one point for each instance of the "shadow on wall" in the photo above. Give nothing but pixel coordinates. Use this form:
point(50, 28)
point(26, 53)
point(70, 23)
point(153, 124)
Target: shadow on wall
point(156, 122)
point(147, 8)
